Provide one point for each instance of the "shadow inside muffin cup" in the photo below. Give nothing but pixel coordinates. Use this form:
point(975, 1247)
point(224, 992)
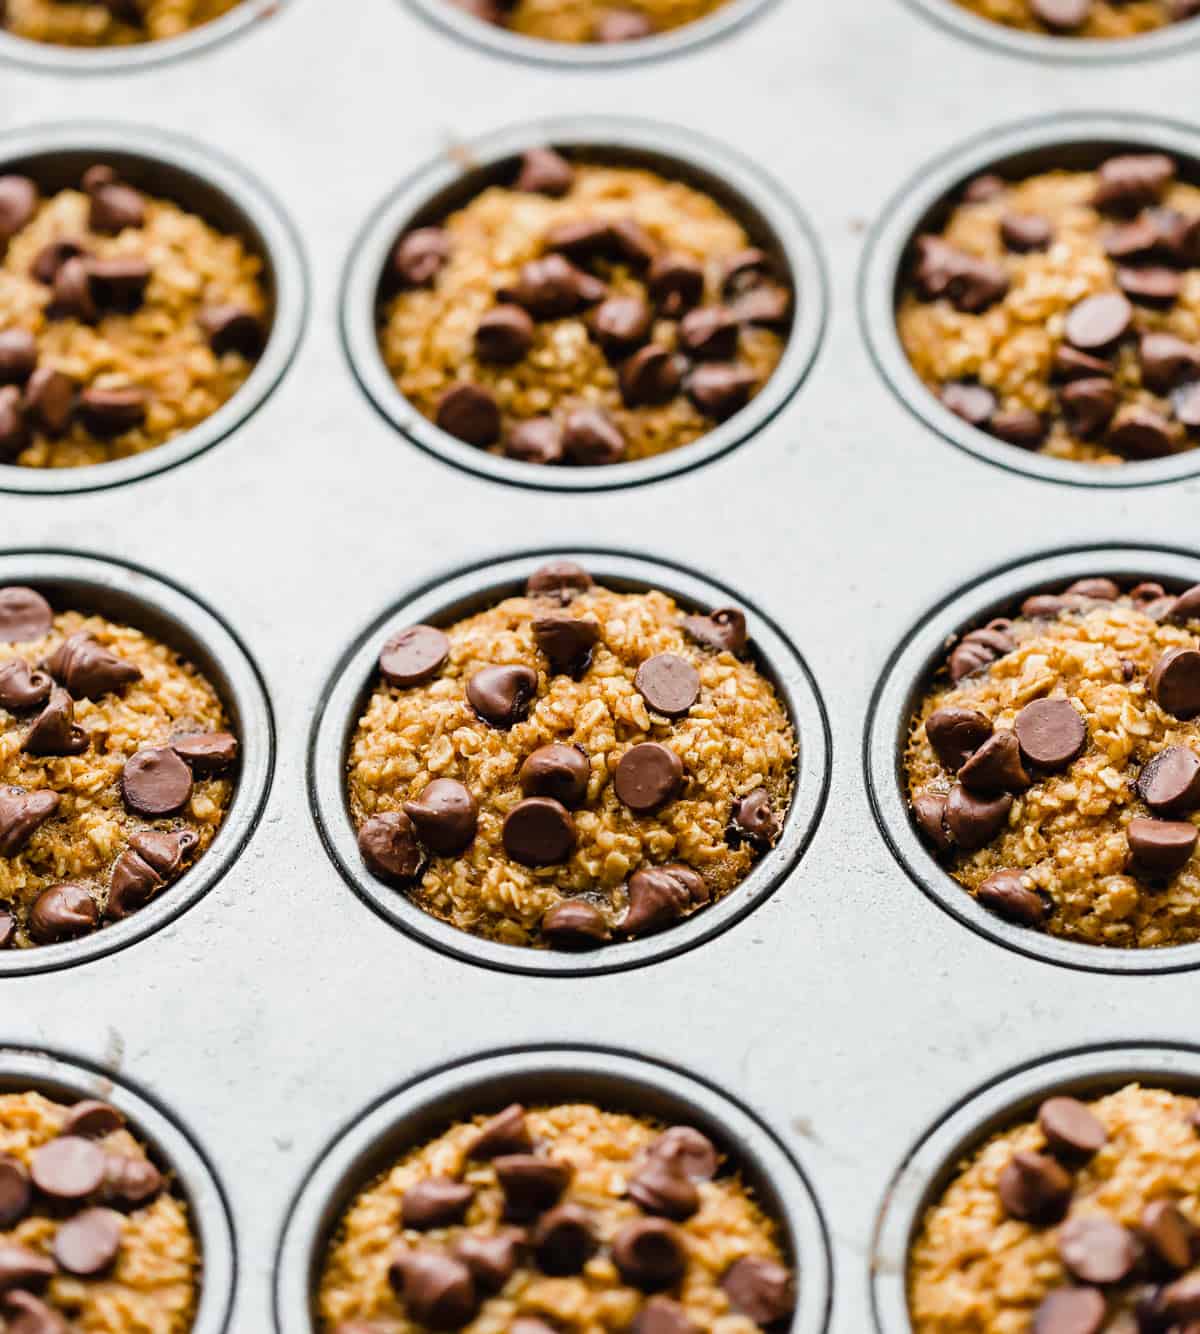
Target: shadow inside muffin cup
point(758, 203)
point(131, 596)
point(1015, 152)
point(170, 1147)
point(539, 1076)
point(1009, 1100)
point(215, 189)
point(455, 596)
point(911, 671)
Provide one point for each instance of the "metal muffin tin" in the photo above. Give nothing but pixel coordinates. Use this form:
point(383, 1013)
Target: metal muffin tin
point(72, 581)
point(771, 219)
point(225, 195)
point(848, 1010)
point(65, 1079)
point(464, 593)
point(1005, 1102)
point(616, 1081)
point(1077, 143)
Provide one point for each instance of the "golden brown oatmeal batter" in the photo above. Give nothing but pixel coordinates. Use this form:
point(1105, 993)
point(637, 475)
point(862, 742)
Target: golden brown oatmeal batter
point(1028, 766)
point(124, 321)
point(99, 1240)
point(590, 20)
point(1061, 313)
point(114, 23)
point(594, 812)
point(571, 1205)
point(587, 314)
point(995, 1248)
point(71, 723)
point(1084, 18)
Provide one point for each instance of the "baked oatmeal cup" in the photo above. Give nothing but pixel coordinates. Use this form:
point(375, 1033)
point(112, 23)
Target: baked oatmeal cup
point(100, 23)
point(1093, 19)
point(577, 21)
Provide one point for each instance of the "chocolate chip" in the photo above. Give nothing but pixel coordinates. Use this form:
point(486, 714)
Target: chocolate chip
point(112, 412)
point(438, 1290)
point(1088, 405)
point(130, 1182)
point(675, 283)
point(1097, 322)
point(1062, 15)
point(539, 831)
point(92, 1119)
point(567, 642)
point(1132, 240)
point(687, 1151)
point(1005, 894)
point(233, 329)
point(1148, 594)
point(50, 400)
point(1131, 181)
point(589, 239)
point(165, 851)
point(22, 814)
point(545, 172)
point(557, 771)
point(73, 293)
point(504, 1133)
point(1180, 1300)
point(1095, 588)
point(68, 1168)
point(87, 1244)
point(132, 885)
point(649, 1254)
point(24, 615)
point(592, 439)
point(552, 287)
point(1097, 1250)
point(1174, 682)
point(531, 1185)
point(1051, 733)
point(760, 1289)
point(972, 402)
point(26, 1313)
point(929, 811)
point(1160, 847)
point(1018, 426)
point(1186, 606)
point(709, 334)
point(661, 1315)
point(972, 822)
point(1034, 1188)
point(1071, 1311)
point(18, 356)
point(622, 25)
point(52, 257)
point(723, 630)
point(491, 1258)
point(16, 1192)
point(469, 412)
point(621, 324)
point(8, 926)
point(718, 389)
point(648, 776)
point(575, 925)
point(21, 1266)
point(650, 377)
point(388, 844)
point(1024, 232)
point(1169, 1234)
point(564, 1240)
point(14, 432)
point(54, 731)
point(88, 670)
point(970, 284)
point(420, 256)
point(561, 580)
point(1071, 1127)
point(114, 206)
point(1152, 285)
point(1170, 782)
point(62, 912)
point(956, 734)
point(445, 816)
point(995, 767)
point(538, 440)
point(659, 1189)
point(659, 896)
point(1071, 364)
point(769, 305)
point(669, 684)
point(206, 753)
point(18, 204)
point(413, 656)
point(754, 818)
point(504, 335)
point(118, 285)
point(501, 696)
point(435, 1202)
point(1167, 361)
point(155, 782)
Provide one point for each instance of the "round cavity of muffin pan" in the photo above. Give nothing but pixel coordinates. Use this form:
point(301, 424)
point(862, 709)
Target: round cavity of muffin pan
point(171, 1147)
point(225, 195)
point(72, 581)
point(454, 596)
point(907, 675)
point(1075, 143)
point(1007, 1101)
point(581, 55)
point(58, 59)
point(544, 1075)
point(1043, 46)
point(762, 207)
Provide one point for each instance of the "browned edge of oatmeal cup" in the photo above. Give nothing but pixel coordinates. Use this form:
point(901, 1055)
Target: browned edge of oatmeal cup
point(169, 614)
point(616, 1080)
point(226, 196)
point(454, 595)
point(762, 206)
point(1075, 142)
point(68, 1079)
point(967, 1123)
point(905, 678)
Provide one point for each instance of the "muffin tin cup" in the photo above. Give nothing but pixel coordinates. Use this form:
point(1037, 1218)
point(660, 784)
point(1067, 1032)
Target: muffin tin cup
point(1078, 142)
point(450, 598)
point(222, 192)
point(1085, 51)
point(129, 594)
point(70, 1079)
point(966, 1125)
point(445, 14)
point(615, 1080)
point(73, 61)
point(898, 694)
point(757, 201)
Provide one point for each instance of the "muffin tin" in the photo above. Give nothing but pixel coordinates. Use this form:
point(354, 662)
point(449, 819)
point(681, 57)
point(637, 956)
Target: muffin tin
point(848, 1010)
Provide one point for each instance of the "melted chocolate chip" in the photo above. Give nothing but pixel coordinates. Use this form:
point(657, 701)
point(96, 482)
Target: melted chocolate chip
point(1051, 733)
point(504, 1133)
point(63, 912)
point(22, 814)
point(502, 696)
point(531, 1185)
point(567, 642)
point(723, 629)
point(648, 776)
point(649, 1254)
point(88, 670)
point(669, 684)
point(760, 1289)
point(24, 615)
point(956, 734)
point(557, 771)
point(1034, 1188)
point(435, 1202)
point(87, 1245)
point(1071, 1128)
point(1005, 894)
point(539, 831)
point(413, 656)
point(1160, 847)
point(564, 1240)
point(54, 731)
point(445, 816)
point(575, 925)
point(660, 895)
point(155, 782)
point(389, 847)
point(68, 1168)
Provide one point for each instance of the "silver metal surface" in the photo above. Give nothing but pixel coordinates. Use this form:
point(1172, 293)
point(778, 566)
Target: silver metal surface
point(848, 1010)
point(772, 220)
point(462, 593)
point(377, 1136)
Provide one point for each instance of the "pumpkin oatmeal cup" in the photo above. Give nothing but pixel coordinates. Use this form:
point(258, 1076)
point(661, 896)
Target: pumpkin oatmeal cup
point(578, 21)
point(1093, 19)
point(110, 23)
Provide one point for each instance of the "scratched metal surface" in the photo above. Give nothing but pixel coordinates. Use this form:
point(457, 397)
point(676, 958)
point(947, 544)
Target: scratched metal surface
point(849, 1009)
